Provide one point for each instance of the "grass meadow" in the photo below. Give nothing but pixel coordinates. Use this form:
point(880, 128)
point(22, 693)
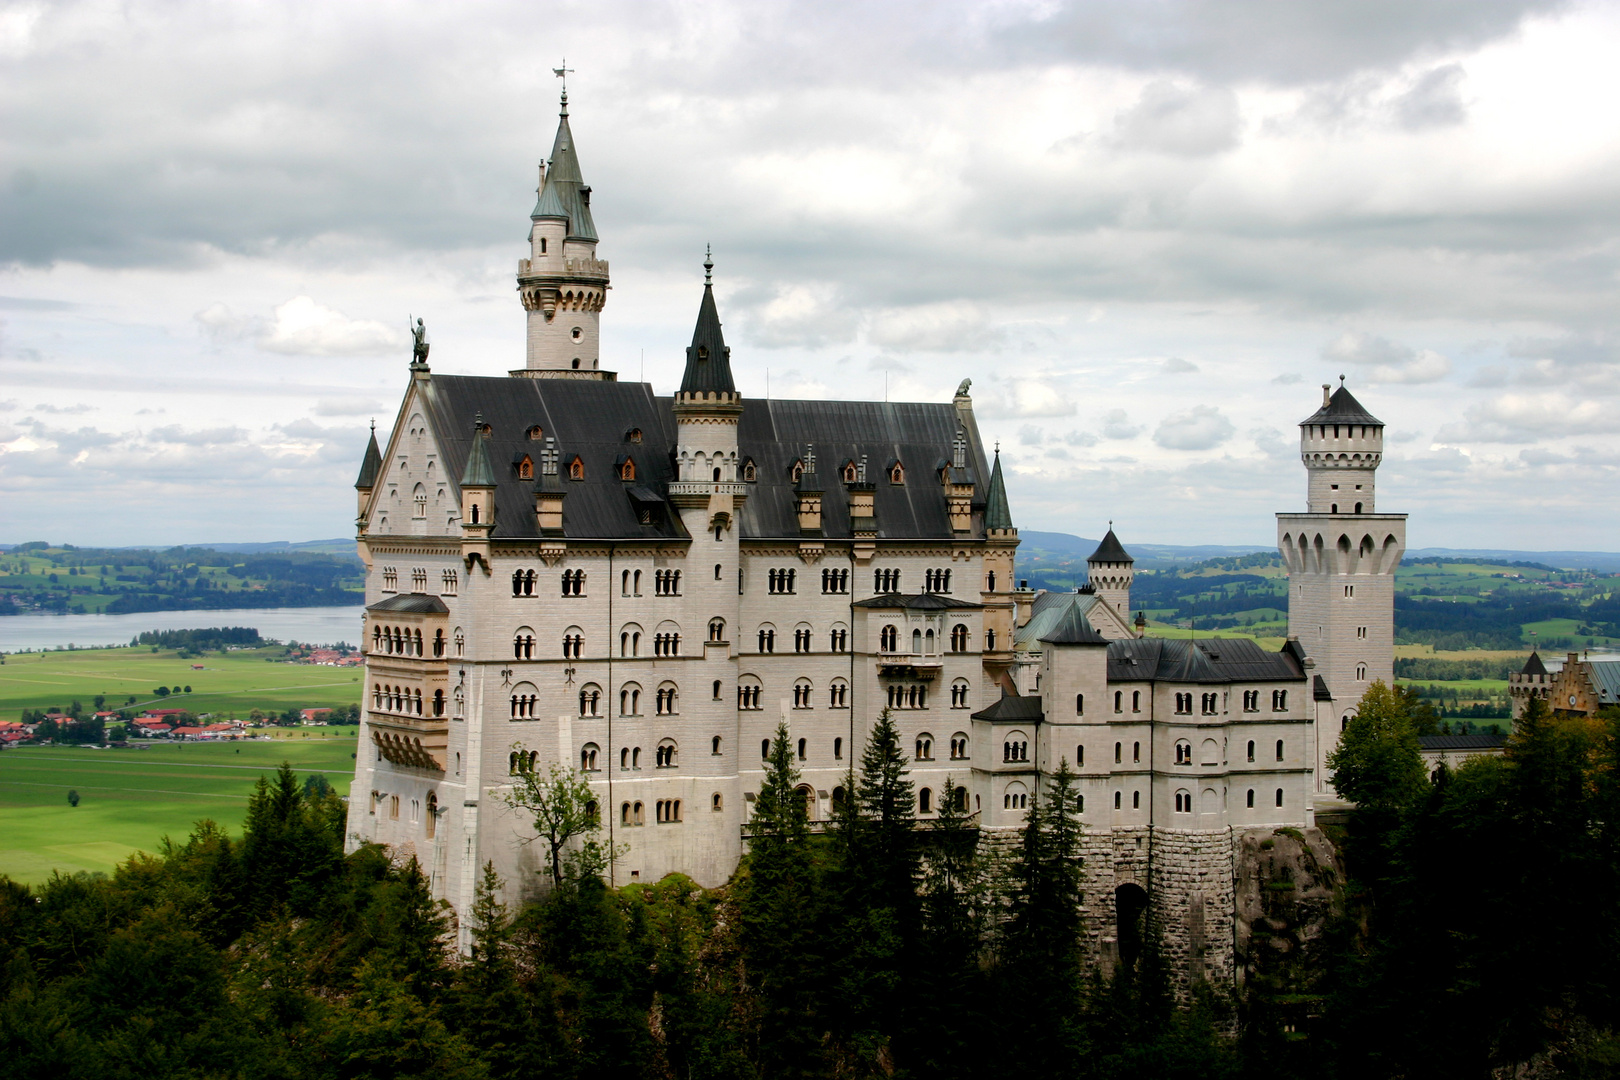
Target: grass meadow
point(130, 799)
point(230, 682)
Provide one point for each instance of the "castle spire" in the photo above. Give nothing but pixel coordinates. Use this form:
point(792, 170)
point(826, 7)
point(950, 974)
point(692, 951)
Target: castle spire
point(565, 194)
point(708, 360)
point(371, 464)
point(997, 515)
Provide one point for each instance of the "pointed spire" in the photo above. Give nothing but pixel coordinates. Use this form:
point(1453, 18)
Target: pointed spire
point(478, 472)
point(565, 193)
point(1111, 550)
point(708, 360)
point(996, 513)
point(371, 464)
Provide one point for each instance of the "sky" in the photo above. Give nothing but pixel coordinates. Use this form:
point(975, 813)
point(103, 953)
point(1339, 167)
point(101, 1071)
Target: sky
point(1147, 231)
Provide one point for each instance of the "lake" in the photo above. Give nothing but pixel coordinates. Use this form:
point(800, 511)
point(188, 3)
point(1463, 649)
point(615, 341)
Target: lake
point(315, 625)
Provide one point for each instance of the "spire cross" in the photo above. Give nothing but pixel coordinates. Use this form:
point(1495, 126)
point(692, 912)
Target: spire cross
point(708, 264)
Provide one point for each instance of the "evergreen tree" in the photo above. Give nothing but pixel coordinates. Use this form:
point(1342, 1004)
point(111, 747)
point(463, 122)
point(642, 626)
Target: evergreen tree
point(1041, 969)
point(949, 1031)
point(777, 923)
point(487, 1007)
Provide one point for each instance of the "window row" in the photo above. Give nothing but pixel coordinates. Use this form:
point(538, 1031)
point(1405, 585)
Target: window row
point(910, 696)
point(403, 641)
point(923, 642)
point(425, 811)
point(405, 701)
point(1210, 704)
point(750, 694)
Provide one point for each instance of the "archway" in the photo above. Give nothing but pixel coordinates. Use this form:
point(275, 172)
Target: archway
point(1130, 917)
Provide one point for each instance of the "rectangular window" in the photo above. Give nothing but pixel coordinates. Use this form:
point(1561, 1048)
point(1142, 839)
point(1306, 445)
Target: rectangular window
point(1361, 632)
point(1349, 592)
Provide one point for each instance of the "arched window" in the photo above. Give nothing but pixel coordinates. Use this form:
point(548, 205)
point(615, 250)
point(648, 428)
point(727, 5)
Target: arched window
point(523, 644)
point(838, 694)
point(438, 703)
point(590, 700)
point(587, 757)
point(802, 690)
point(717, 685)
point(629, 700)
point(1079, 704)
point(1136, 800)
point(959, 694)
point(767, 638)
point(916, 643)
point(1251, 798)
point(716, 802)
point(1116, 800)
point(838, 749)
point(1136, 751)
point(1016, 797)
point(717, 629)
point(1119, 701)
point(512, 763)
point(1117, 758)
point(1080, 756)
point(525, 700)
point(1279, 749)
point(764, 749)
point(664, 756)
point(925, 747)
point(576, 468)
point(1183, 802)
point(1183, 752)
point(748, 693)
point(925, 801)
point(1361, 672)
point(802, 749)
point(665, 699)
point(1279, 796)
point(959, 638)
point(714, 745)
point(1136, 701)
point(1279, 700)
point(889, 638)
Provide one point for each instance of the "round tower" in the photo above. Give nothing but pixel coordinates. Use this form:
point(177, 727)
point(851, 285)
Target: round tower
point(1110, 571)
point(562, 283)
point(1341, 446)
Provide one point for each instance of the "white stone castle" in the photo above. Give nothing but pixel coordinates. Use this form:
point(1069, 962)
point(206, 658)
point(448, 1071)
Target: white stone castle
point(563, 567)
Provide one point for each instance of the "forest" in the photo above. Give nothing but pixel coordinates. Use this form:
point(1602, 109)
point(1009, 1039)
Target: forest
point(1473, 930)
point(39, 577)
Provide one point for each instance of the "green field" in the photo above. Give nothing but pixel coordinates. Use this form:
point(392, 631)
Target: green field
point(229, 682)
point(130, 799)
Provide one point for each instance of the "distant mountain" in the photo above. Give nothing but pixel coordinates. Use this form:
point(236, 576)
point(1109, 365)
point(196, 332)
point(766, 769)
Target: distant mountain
point(1154, 556)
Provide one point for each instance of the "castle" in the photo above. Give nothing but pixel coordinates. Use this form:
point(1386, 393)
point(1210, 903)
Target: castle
point(564, 567)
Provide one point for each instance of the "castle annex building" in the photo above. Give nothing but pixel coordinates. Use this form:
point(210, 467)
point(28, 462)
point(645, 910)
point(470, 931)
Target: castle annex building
point(567, 568)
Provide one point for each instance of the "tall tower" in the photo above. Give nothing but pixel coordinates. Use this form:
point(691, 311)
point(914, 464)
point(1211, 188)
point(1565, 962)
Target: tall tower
point(1110, 571)
point(1341, 556)
point(562, 283)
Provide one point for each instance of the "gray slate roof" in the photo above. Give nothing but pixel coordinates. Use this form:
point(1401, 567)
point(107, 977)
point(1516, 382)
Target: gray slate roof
point(1074, 628)
point(413, 603)
point(1111, 551)
point(588, 418)
point(371, 464)
point(1461, 742)
point(1533, 666)
point(1212, 660)
point(1606, 673)
point(478, 472)
point(1010, 709)
point(916, 602)
point(708, 361)
point(565, 193)
point(1342, 408)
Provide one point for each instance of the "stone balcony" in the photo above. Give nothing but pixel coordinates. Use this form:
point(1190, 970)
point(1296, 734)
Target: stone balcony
point(419, 742)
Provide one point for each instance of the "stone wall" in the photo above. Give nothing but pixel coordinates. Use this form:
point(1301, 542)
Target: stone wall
point(1286, 895)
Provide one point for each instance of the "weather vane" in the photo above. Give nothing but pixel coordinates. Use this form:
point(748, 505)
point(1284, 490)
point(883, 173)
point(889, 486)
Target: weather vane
point(563, 73)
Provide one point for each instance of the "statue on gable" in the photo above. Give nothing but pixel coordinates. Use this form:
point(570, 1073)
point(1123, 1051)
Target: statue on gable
point(419, 350)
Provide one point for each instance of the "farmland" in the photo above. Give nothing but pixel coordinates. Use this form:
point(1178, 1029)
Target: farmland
point(230, 682)
point(131, 799)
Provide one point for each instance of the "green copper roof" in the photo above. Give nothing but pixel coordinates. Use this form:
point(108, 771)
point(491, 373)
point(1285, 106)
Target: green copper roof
point(1074, 629)
point(478, 473)
point(371, 464)
point(996, 513)
point(565, 194)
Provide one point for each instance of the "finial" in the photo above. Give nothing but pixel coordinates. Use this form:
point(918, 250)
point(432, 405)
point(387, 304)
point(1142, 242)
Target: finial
point(478, 421)
point(563, 73)
point(373, 426)
point(708, 264)
point(1341, 380)
point(998, 448)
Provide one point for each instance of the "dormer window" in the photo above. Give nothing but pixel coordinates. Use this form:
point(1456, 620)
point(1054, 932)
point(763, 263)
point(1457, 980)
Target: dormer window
point(484, 429)
point(525, 468)
point(633, 435)
point(703, 352)
point(576, 468)
point(897, 473)
point(796, 471)
point(534, 434)
point(627, 469)
point(748, 473)
point(849, 472)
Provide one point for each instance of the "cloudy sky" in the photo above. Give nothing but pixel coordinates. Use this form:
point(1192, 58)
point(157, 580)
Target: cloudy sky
point(1148, 231)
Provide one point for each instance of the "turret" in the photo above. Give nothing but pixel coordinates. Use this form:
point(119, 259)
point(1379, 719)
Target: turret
point(1002, 614)
point(1341, 445)
point(1110, 571)
point(707, 410)
point(370, 467)
point(562, 283)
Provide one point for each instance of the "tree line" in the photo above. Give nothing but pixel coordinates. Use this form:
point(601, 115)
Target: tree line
point(1472, 933)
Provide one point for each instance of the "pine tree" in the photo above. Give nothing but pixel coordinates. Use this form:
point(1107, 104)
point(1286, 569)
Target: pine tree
point(777, 890)
point(948, 1032)
point(1041, 971)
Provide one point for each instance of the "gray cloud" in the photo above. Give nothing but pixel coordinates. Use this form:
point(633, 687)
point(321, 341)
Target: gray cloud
point(1173, 118)
point(1435, 99)
point(1175, 365)
point(1387, 362)
point(1288, 379)
point(1117, 425)
point(1201, 427)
